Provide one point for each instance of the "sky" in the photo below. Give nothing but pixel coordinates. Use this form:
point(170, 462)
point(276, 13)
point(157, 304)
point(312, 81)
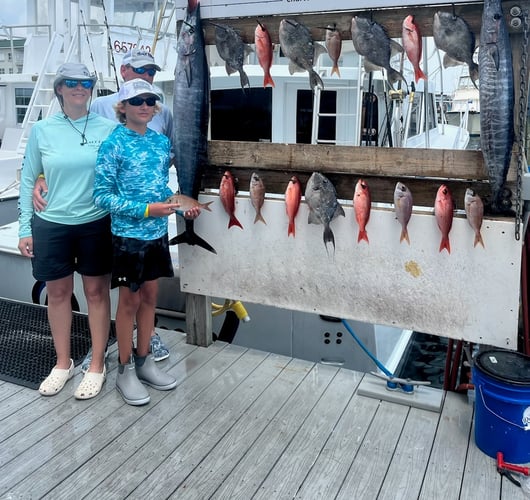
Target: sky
point(12, 12)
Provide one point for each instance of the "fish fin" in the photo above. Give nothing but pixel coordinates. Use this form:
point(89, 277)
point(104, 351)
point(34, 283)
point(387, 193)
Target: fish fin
point(294, 68)
point(370, 66)
point(395, 48)
point(291, 229)
point(243, 78)
point(493, 51)
point(206, 206)
point(268, 81)
point(259, 217)
point(404, 236)
point(473, 73)
point(315, 80)
point(363, 235)
point(419, 74)
point(478, 239)
point(248, 49)
point(191, 238)
point(229, 69)
point(338, 211)
point(318, 50)
point(445, 244)
point(449, 62)
point(234, 222)
point(328, 237)
point(335, 70)
point(394, 76)
point(313, 218)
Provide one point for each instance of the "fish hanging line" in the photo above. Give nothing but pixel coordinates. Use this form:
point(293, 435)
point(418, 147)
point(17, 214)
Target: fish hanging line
point(109, 43)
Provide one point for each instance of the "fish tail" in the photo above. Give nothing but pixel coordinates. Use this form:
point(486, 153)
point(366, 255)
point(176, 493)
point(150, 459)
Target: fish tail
point(335, 70)
point(473, 73)
point(259, 217)
point(404, 236)
point(363, 235)
point(328, 237)
point(419, 74)
point(206, 206)
point(234, 222)
point(243, 78)
point(268, 81)
point(478, 239)
point(315, 80)
point(445, 244)
point(291, 229)
point(191, 238)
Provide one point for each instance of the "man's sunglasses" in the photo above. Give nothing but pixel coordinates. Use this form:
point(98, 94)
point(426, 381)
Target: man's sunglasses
point(138, 101)
point(72, 84)
point(141, 71)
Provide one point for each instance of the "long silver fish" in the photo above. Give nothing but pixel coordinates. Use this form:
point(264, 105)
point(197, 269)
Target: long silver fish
point(298, 45)
point(191, 103)
point(453, 35)
point(321, 198)
point(496, 94)
point(372, 42)
point(232, 51)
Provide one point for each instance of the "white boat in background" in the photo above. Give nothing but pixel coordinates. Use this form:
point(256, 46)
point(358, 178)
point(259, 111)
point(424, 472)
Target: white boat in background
point(465, 102)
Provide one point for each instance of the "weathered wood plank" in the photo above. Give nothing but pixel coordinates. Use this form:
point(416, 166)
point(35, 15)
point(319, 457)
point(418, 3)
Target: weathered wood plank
point(284, 480)
point(448, 456)
point(391, 19)
point(198, 320)
point(403, 478)
point(368, 470)
point(333, 464)
point(253, 468)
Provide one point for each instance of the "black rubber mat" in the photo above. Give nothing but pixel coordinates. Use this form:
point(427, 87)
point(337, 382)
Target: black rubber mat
point(26, 347)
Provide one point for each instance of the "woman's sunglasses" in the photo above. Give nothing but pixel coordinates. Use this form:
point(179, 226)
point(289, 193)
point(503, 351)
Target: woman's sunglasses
point(138, 101)
point(72, 84)
point(141, 71)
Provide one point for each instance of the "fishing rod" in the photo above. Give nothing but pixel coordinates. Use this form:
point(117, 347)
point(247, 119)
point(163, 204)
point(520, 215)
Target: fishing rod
point(109, 43)
point(88, 41)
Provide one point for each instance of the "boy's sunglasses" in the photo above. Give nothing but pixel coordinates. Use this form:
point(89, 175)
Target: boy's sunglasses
point(141, 71)
point(138, 101)
point(72, 84)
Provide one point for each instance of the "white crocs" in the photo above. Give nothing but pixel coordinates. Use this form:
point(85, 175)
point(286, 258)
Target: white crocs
point(55, 381)
point(91, 385)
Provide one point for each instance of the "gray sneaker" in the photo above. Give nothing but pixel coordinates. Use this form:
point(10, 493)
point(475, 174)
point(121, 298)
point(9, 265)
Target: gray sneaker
point(131, 389)
point(151, 375)
point(157, 348)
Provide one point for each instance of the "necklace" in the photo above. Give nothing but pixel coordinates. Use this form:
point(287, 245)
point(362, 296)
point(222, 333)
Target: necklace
point(82, 134)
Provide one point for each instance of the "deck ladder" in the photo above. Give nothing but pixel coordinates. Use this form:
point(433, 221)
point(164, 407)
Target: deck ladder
point(43, 103)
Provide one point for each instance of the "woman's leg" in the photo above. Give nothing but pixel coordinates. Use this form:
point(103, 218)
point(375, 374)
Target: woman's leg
point(60, 317)
point(97, 293)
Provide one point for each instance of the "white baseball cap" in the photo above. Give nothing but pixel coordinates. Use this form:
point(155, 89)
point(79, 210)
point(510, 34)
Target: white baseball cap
point(138, 58)
point(136, 87)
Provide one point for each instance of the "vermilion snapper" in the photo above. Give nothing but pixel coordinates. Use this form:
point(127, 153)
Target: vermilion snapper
point(264, 48)
point(474, 213)
point(412, 44)
point(361, 206)
point(186, 203)
point(443, 211)
point(227, 193)
point(334, 47)
point(293, 195)
point(403, 209)
point(257, 195)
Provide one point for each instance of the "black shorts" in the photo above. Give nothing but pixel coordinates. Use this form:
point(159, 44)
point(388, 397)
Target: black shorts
point(136, 261)
point(61, 249)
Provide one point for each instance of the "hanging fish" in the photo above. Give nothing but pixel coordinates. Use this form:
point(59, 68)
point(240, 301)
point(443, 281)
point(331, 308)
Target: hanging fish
point(474, 213)
point(362, 203)
point(257, 195)
point(321, 198)
point(403, 208)
point(293, 195)
point(232, 51)
point(443, 211)
point(298, 45)
point(227, 193)
point(412, 44)
point(264, 51)
point(334, 47)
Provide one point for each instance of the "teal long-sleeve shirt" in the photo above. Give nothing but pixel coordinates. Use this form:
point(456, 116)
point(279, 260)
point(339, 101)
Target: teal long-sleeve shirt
point(54, 149)
point(132, 170)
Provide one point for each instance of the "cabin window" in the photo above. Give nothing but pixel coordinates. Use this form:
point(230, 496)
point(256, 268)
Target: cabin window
point(241, 116)
point(22, 98)
point(327, 125)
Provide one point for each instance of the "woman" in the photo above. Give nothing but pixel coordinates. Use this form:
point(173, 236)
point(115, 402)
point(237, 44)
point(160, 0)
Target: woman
point(71, 234)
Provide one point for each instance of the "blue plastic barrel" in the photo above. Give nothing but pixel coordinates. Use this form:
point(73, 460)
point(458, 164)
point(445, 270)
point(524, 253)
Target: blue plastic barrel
point(502, 404)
